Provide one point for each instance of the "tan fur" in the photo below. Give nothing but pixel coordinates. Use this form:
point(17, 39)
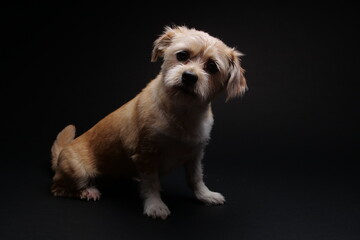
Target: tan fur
point(62, 140)
point(163, 127)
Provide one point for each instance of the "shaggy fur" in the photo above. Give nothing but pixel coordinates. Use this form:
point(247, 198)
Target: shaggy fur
point(166, 125)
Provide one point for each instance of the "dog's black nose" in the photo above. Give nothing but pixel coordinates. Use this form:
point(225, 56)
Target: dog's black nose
point(189, 78)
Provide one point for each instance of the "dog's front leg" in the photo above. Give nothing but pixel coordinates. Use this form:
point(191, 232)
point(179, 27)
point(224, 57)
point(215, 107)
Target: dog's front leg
point(194, 173)
point(150, 190)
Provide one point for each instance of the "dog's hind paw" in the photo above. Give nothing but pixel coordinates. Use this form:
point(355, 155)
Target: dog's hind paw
point(90, 193)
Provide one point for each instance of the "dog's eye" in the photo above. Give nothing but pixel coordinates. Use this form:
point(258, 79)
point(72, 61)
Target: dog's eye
point(182, 56)
point(211, 67)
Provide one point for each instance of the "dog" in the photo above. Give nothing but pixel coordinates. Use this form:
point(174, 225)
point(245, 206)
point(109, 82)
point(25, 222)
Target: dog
point(167, 125)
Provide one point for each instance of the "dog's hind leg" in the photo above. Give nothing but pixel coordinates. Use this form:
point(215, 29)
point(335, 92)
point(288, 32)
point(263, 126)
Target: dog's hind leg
point(73, 179)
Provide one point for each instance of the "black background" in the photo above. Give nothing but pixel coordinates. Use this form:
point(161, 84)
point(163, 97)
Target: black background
point(285, 155)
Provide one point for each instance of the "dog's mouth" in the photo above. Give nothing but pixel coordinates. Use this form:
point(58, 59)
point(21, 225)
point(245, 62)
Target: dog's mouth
point(186, 90)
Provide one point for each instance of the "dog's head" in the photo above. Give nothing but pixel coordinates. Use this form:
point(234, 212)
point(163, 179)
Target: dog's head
point(198, 65)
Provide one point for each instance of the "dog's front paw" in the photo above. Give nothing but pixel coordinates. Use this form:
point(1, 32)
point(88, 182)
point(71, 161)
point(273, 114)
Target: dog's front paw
point(210, 198)
point(156, 209)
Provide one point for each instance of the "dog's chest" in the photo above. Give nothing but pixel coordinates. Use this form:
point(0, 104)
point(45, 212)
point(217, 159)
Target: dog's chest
point(175, 154)
point(177, 147)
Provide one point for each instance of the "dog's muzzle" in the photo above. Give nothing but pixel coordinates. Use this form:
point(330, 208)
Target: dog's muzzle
point(189, 78)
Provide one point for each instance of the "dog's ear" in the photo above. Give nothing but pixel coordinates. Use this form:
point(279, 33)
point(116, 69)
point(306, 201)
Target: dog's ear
point(236, 85)
point(162, 43)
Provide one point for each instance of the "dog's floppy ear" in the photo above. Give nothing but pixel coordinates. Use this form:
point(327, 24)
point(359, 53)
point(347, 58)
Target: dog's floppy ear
point(236, 85)
point(162, 43)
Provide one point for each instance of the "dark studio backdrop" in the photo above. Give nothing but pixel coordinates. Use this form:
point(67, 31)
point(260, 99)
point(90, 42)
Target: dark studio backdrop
point(285, 155)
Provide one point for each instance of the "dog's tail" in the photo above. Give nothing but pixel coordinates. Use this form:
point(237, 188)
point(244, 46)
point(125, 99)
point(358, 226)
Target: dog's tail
point(64, 138)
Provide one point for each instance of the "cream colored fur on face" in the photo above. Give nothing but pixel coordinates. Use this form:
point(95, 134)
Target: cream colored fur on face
point(166, 125)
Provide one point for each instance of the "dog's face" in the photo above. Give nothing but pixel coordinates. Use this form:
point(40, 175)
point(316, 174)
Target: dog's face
point(197, 65)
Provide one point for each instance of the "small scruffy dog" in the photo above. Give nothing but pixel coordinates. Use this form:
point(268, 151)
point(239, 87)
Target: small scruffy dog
point(165, 126)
